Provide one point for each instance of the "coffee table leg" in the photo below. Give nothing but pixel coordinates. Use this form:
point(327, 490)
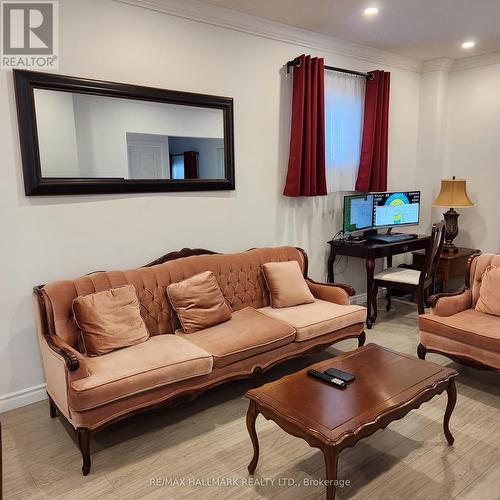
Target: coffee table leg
point(331, 460)
point(452, 399)
point(251, 417)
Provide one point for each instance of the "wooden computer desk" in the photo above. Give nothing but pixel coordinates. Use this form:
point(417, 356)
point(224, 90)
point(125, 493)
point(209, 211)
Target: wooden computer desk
point(369, 251)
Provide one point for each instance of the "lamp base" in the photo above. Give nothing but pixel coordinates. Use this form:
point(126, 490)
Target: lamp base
point(450, 248)
point(451, 227)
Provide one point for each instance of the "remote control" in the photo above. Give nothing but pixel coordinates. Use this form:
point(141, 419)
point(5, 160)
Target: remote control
point(346, 377)
point(336, 382)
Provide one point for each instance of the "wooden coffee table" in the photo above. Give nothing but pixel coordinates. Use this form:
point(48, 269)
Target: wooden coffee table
point(388, 385)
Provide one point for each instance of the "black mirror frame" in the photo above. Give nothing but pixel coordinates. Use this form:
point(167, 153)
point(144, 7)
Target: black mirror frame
point(35, 185)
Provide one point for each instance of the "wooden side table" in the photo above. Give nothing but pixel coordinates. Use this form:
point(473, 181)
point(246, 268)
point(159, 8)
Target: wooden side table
point(451, 265)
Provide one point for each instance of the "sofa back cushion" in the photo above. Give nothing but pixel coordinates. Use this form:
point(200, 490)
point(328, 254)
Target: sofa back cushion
point(109, 320)
point(478, 267)
point(198, 302)
point(489, 293)
point(239, 277)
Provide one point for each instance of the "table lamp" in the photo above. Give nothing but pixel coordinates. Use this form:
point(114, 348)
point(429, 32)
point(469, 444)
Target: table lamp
point(453, 194)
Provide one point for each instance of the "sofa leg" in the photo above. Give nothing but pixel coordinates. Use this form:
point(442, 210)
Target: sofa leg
point(421, 351)
point(52, 408)
point(257, 377)
point(84, 444)
point(361, 339)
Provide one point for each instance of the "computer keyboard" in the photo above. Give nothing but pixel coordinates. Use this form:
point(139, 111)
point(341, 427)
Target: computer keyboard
point(391, 238)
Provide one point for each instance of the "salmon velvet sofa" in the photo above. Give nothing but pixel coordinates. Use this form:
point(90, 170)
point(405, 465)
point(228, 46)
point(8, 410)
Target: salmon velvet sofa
point(170, 367)
point(456, 329)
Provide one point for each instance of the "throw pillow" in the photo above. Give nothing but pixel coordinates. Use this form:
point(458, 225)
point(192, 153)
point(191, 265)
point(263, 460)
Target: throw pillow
point(198, 302)
point(109, 320)
point(286, 284)
point(489, 293)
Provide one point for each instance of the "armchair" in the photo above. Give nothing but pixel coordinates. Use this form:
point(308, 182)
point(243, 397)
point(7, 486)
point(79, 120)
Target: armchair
point(455, 329)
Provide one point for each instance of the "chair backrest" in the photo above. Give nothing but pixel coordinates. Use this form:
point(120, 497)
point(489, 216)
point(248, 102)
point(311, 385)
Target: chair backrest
point(433, 252)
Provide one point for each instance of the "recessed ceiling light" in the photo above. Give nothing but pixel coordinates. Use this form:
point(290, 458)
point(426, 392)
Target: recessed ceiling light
point(468, 45)
point(370, 11)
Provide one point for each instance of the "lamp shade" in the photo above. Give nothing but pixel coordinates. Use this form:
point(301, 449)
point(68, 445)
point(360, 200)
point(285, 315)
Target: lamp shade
point(453, 194)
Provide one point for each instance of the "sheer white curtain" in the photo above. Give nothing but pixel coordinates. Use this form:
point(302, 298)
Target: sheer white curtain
point(344, 105)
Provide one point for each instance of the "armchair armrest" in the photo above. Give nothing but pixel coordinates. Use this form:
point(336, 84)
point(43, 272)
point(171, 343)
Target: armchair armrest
point(338, 293)
point(448, 304)
point(71, 356)
point(73, 360)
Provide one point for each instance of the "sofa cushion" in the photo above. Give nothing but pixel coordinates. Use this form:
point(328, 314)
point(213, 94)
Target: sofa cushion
point(318, 318)
point(109, 320)
point(286, 284)
point(198, 302)
point(246, 334)
point(489, 293)
point(449, 346)
point(469, 327)
point(161, 360)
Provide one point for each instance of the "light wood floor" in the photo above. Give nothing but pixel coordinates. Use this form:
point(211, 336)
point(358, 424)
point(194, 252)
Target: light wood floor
point(207, 440)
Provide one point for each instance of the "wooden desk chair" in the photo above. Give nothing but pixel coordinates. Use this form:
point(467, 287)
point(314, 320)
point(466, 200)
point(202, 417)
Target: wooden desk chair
point(412, 280)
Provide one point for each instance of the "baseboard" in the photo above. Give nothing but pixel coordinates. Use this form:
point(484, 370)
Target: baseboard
point(22, 398)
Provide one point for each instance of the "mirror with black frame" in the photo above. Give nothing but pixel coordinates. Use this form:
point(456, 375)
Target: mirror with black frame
point(84, 136)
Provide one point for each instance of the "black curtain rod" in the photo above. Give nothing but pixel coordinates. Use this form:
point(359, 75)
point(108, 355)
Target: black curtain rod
point(296, 62)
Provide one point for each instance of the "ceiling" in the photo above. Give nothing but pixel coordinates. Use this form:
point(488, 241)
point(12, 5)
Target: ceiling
point(423, 29)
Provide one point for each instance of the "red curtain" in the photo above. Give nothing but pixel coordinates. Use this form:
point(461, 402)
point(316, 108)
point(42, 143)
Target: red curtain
point(372, 174)
point(190, 165)
point(306, 165)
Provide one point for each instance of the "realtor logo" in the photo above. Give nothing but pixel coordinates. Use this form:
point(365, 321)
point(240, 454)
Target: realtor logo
point(29, 34)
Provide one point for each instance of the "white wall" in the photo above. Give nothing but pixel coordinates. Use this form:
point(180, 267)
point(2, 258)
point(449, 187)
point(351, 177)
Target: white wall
point(55, 119)
point(473, 152)
point(431, 141)
point(50, 238)
point(459, 120)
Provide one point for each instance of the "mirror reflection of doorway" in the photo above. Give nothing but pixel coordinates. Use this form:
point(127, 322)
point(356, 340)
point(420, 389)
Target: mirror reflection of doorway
point(210, 153)
point(147, 156)
point(184, 165)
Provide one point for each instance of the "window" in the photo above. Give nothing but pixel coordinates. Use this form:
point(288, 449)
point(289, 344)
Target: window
point(344, 106)
point(177, 165)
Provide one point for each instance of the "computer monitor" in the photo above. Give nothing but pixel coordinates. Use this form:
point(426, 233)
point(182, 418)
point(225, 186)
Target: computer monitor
point(375, 210)
point(358, 212)
point(396, 209)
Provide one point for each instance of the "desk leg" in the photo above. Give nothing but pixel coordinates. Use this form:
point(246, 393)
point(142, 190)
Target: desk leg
point(331, 262)
point(371, 302)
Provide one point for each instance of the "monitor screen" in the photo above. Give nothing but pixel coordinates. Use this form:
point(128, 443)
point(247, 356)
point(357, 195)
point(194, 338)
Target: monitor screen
point(396, 209)
point(358, 212)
